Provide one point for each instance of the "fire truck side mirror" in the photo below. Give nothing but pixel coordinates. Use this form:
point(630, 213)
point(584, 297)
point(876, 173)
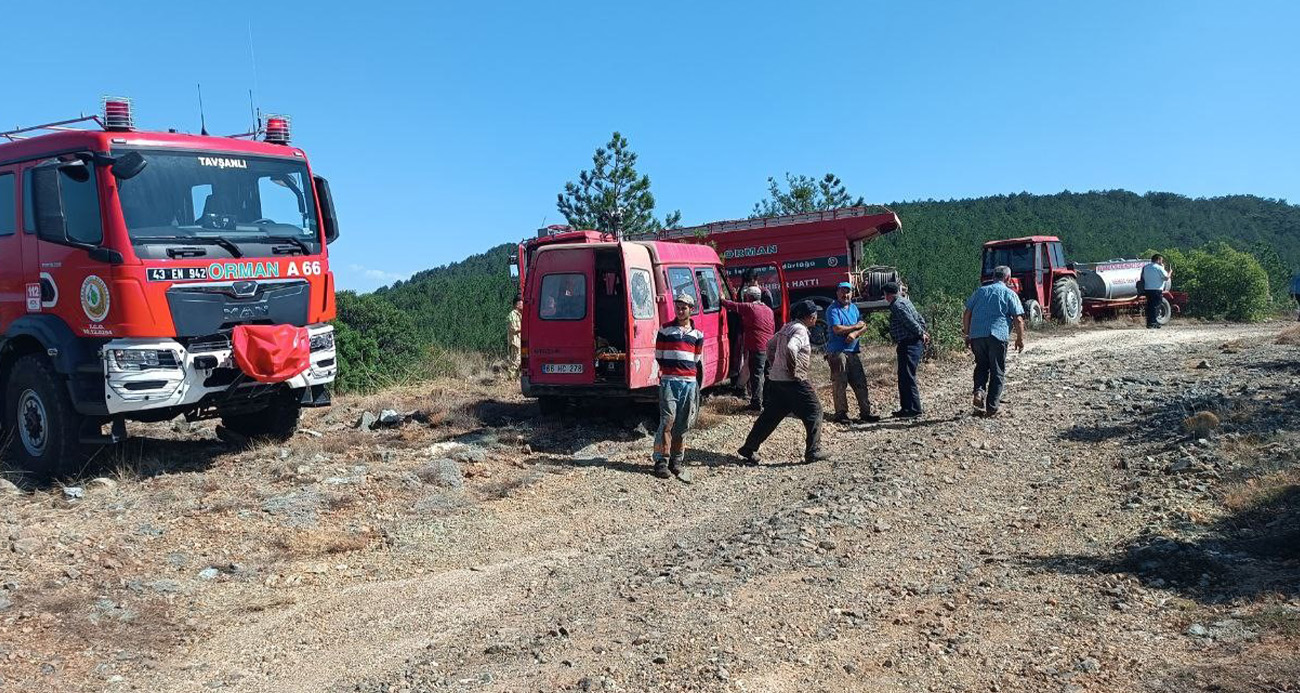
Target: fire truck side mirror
point(329, 220)
point(128, 165)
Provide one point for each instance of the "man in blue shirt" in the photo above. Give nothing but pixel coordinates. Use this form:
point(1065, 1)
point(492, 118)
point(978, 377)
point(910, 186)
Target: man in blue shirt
point(842, 349)
point(991, 312)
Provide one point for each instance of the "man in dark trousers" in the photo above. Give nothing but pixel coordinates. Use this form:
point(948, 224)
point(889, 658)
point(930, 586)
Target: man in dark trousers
point(789, 390)
point(842, 356)
point(1154, 276)
point(908, 329)
point(758, 325)
point(991, 313)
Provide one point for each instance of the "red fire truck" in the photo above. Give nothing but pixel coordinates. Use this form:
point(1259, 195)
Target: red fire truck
point(815, 251)
point(130, 261)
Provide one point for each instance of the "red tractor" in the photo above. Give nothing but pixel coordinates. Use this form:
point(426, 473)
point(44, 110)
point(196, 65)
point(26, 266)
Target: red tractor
point(1040, 275)
point(1048, 285)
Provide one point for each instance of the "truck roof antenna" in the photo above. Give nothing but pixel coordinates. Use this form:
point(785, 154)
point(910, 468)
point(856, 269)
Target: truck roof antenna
point(203, 123)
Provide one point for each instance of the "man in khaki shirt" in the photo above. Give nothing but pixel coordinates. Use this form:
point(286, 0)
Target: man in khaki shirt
point(513, 338)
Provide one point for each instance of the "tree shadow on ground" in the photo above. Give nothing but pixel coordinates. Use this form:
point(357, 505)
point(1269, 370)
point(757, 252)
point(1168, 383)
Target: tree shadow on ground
point(695, 459)
point(1252, 552)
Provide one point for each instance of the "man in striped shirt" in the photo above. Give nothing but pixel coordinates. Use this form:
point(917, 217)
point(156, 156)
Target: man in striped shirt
point(679, 352)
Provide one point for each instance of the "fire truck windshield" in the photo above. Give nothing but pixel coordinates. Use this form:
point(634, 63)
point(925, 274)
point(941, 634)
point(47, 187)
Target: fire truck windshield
point(1020, 258)
point(262, 206)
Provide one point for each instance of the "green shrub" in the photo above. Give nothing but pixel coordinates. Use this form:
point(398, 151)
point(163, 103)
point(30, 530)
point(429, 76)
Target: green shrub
point(942, 312)
point(1221, 283)
point(376, 343)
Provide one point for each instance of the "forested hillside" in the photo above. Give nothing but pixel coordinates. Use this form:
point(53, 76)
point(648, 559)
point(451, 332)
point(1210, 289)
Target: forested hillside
point(463, 305)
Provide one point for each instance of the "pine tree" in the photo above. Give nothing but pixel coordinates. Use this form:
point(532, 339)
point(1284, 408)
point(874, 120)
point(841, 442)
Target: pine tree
point(803, 194)
point(612, 196)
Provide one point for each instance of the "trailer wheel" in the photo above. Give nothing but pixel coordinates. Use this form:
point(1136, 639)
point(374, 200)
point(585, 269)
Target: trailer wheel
point(1033, 313)
point(1165, 313)
point(41, 424)
point(278, 421)
point(1067, 302)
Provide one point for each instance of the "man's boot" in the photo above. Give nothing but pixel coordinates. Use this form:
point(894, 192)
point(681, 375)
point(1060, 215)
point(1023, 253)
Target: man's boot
point(661, 469)
point(675, 468)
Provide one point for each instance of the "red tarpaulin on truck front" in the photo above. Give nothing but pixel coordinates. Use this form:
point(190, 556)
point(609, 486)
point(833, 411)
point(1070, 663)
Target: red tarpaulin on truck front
point(271, 353)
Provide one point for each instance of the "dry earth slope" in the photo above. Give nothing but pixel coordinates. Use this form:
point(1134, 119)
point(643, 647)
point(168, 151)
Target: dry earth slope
point(1087, 541)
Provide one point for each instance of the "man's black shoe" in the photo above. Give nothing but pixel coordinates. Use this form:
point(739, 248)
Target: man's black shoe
point(818, 456)
point(869, 418)
point(754, 406)
point(750, 457)
point(840, 419)
point(906, 414)
point(661, 470)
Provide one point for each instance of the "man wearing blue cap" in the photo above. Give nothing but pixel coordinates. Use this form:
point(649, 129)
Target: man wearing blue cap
point(842, 354)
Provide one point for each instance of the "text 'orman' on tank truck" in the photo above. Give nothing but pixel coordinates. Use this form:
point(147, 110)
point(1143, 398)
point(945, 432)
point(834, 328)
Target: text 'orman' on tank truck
point(149, 275)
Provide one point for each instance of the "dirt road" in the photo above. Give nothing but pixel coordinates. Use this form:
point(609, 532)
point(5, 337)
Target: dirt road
point(1070, 545)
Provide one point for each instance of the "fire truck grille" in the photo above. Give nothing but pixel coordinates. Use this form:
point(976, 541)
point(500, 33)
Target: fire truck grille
point(207, 310)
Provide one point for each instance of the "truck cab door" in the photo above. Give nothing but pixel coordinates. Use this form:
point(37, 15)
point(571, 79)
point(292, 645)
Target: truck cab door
point(643, 316)
point(711, 320)
point(558, 317)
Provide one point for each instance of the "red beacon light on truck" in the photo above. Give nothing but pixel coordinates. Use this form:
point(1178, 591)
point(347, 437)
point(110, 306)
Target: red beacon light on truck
point(277, 129)
point(117, 114)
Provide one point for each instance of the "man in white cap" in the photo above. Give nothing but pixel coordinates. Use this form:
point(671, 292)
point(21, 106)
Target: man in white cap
point(679, 352)
point(758, 325)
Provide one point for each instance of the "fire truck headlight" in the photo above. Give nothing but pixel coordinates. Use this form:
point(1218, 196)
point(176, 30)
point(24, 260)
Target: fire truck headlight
point(128, 360)
point(323, 341)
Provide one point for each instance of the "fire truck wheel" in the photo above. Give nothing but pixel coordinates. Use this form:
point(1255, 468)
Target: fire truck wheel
point(1165, 313)
point(46, 429)
point(820, 333)
point(1033, 313)
point(276, 422)
point(1067, 302)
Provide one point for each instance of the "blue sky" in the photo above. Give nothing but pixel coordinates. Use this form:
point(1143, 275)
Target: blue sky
point(446, 129)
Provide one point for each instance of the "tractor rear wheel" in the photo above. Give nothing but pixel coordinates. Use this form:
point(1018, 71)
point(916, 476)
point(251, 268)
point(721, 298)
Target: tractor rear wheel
point(1033, 313)
point(1067, 301)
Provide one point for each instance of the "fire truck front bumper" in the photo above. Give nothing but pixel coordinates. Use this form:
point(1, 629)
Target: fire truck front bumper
point(144, 374)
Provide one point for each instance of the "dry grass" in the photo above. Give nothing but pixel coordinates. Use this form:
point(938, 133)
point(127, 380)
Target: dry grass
point(1262, 491)
point(321, 542)
point(1290, 335)
point(1201, 424)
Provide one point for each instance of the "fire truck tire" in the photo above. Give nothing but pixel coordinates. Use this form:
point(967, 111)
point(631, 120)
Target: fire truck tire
point(1067, 302)
point(41, 421)
point(820, 333)
point(1033, 313)
point(1165, 313)
point(276, 422)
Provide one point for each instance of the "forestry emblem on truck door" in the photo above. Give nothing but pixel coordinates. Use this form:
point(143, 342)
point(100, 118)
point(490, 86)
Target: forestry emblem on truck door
point(94, 298)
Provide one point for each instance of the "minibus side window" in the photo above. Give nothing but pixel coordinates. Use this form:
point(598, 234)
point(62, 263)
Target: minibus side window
point(563, 297)
point(710, 301)
point(643, 294)
point(682, 281)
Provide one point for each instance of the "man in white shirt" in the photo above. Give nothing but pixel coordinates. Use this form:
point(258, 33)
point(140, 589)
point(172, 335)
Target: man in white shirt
point(1154, 276)
point(788, 389)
